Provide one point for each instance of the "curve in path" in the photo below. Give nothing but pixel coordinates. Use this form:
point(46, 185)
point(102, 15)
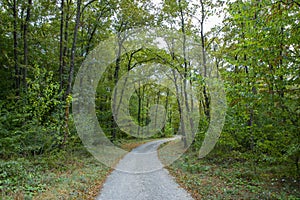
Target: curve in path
point(141, 176)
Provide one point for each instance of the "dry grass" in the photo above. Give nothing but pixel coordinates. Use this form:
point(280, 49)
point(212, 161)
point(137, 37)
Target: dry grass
point(82, 180)
point(205, 179)
point(85, 180)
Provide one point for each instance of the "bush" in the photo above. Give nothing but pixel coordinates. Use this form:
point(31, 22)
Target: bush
point(32, 124)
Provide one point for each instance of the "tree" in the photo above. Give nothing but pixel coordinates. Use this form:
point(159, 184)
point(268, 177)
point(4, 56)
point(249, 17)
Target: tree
point(260, 70)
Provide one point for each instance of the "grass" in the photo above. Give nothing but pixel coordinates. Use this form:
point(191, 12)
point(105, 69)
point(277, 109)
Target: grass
point(217, 178)
point(60, 175)
point(69, 174)
point(77, 175)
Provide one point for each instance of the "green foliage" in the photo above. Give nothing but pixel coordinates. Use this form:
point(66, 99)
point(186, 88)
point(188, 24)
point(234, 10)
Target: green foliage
point(68, 174)
point(259, 69)
point(20, 175)
point(257, 53)
point(43, 97)
point(227, 176)
point(31, 125)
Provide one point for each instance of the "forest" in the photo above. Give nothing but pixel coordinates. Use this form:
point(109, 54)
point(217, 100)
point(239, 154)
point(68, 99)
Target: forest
point(254, 51)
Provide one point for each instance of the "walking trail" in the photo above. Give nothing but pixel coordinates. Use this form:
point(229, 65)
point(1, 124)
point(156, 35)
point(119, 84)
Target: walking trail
point(140, 176)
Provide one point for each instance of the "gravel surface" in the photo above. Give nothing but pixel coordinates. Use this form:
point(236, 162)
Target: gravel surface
point(141, 176)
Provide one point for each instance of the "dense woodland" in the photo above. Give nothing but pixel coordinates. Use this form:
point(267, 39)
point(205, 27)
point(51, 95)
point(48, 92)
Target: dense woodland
point(256, 50)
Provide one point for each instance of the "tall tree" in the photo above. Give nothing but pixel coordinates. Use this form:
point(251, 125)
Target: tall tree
point(71, 71)
point(61, 43)
point(16, 64)
point(261, 70)
point(128, 15)
point(25, 41)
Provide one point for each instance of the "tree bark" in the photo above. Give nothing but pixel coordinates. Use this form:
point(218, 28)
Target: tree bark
point(16, 66)
point(73, 50)
point(186, 68)
point(25, 31)
point(116, 77)
point(166, 107)
point(71, 72)
point(206, 98)
point(61, 45)
point(65, 43)
point(182, 124)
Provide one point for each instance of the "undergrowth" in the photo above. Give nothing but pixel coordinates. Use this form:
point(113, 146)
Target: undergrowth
point(70, 174)
point(226, 176)
point(61, 174)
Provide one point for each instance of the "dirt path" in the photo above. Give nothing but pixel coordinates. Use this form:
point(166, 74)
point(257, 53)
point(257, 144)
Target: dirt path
point(141, 176)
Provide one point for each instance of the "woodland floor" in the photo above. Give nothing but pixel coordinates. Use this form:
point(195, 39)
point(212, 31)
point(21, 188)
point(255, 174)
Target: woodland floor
point(225, 176)
point(77, 175)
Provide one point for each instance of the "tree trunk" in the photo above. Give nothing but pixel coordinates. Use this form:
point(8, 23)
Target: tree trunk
point(166, 107)
point(73, 50)
point(65, 43)
point(139, 107)
point(16, 66)
point(116, 77)
point(71, 72)
point(182, 124)
point(205, 93)
point(156, 110)
point(61, 45)
point(25, 30)
point(185, 81)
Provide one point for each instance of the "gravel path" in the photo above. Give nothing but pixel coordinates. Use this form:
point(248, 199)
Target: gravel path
point(141, 176)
